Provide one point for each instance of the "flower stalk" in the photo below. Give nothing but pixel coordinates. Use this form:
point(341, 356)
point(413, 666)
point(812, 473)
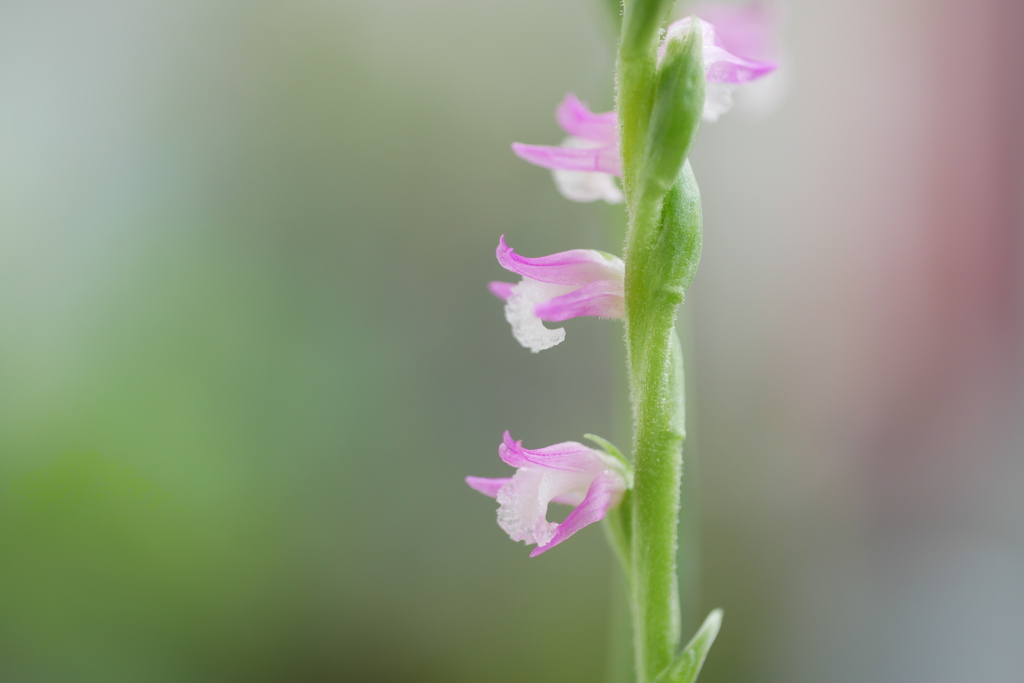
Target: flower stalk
point(662, 251)
point(667, 82)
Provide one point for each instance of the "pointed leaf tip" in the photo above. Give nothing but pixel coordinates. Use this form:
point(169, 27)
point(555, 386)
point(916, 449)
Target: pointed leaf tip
point(608, 446)
point(689, 662)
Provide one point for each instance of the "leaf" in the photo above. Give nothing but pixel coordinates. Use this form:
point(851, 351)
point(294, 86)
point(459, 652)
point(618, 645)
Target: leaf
point(689, 662)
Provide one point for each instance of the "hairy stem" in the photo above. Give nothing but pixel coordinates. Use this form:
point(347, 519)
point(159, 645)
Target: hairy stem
point(659, 110)
point(662, 249)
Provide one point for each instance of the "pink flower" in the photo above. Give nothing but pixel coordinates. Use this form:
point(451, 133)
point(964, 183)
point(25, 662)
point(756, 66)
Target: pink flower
point(747, 32)
point(567, 473)
point(583, 165)
point(750, 30)
point(744, 29)
point(554, 288)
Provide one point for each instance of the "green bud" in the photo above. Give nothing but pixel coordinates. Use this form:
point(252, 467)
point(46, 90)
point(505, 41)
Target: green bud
point(676, 113)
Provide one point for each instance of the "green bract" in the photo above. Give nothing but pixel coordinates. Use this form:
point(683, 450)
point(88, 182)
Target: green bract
point(689, 662)
point(678, 103)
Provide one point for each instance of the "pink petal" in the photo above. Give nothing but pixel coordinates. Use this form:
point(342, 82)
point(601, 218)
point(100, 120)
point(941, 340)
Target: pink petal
point(603, 299)
point(593, 159)
point(720, 65)
point(601, 496)
point(744, 29)
point(576, 119)
point(724, 67)
point(502, 290)
point(569, 456)
point(488, 487)
point(575, 268)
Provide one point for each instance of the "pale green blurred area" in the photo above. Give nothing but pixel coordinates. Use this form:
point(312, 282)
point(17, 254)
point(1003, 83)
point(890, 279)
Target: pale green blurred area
point(247, 357)
point(248, 354)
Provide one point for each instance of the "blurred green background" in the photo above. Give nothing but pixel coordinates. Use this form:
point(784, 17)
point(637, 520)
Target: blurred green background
point(247, 354)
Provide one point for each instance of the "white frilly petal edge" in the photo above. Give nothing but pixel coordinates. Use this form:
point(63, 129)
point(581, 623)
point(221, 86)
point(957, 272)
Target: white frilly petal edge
point(523, 502)
point(527, 328)
point(718, 100)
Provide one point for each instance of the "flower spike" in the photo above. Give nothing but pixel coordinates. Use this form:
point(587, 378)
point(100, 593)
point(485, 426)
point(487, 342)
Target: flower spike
point(568, 473)
point(586, 163)
point(569, 284)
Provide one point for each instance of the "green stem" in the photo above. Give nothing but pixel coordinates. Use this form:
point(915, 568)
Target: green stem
point(659, 111)
point(635, 75)
point(658, 468)
point(661, 254)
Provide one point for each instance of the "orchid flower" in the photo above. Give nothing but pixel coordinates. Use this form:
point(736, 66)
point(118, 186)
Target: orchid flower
point(569, 473)
point(667, 82)
point(569, 284)
point(583, 165)
point(751, 30)
point(745, 29)
point(585, 162)
point(725, 70)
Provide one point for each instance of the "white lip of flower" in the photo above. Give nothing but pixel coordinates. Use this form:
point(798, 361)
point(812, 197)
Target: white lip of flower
point(584, 186)
point(523, 502)
point(569, 284)
point(718, 100)
point(527, 328)
point(569, 473)
point(725, 70)
point(761, 98)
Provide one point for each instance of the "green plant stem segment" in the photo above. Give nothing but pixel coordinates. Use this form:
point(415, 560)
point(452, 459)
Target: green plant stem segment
point(659, 106)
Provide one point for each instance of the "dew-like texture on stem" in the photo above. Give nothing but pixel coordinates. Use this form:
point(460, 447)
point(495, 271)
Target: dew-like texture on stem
point(568, 473)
